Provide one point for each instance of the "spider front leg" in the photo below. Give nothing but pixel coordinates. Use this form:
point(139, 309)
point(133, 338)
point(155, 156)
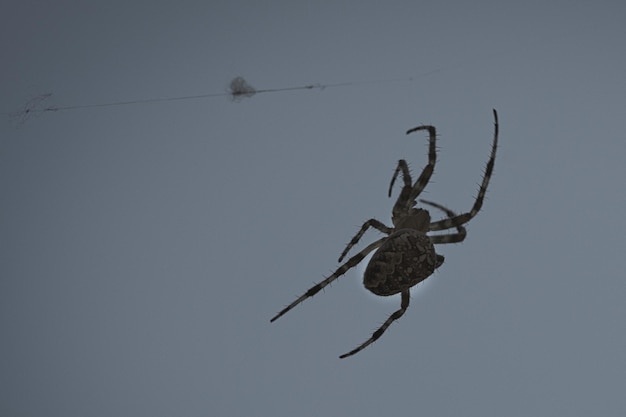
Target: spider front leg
point(410, 191)
point(427, 172)
point(406, 297)
point(380, 226)
point(466, 217)
point(406, 176)
point(402, 205)
point(350, 263)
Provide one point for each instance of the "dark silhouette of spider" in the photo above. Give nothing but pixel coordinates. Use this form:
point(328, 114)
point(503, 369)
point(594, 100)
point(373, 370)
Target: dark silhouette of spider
point(406, 256)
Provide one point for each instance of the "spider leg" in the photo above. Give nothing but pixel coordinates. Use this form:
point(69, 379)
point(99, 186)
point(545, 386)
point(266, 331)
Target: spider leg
point(402, 205)
point(350, 263)
point(410, 191)
point(424, 177)
point(381, 227)
point(466, 217)
point(406, 296)
point(447, 238)
point(406, 175)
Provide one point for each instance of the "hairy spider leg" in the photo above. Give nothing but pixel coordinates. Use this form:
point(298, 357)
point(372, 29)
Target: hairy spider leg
point(350, 263)
point(406, 176)
point(406, 296)
point(378, 225)
point(409, 192)
point(466, 217)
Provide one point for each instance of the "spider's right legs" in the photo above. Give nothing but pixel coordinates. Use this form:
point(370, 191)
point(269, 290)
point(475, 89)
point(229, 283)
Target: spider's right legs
point(427, 172)
point(351, 263)
point(381, 227)
point(478, 203)
point(410, 191)
point(402, 204)
point(406, 175)
point(451, 237)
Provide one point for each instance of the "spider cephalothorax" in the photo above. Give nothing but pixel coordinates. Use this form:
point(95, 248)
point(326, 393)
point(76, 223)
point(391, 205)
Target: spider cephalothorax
point(406, 256)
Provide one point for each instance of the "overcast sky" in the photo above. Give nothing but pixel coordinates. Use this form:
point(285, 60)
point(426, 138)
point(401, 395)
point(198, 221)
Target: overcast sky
point(144, 248)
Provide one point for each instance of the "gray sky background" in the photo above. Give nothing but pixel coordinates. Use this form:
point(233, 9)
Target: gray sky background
point(144, 248)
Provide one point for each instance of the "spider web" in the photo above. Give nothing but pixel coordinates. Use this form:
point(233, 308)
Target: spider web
point(32, 107)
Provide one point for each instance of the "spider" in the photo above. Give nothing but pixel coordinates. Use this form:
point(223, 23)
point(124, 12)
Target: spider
point(406, 256)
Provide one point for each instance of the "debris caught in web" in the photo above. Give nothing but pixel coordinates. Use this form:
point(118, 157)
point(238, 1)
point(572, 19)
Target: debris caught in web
point(240, 89)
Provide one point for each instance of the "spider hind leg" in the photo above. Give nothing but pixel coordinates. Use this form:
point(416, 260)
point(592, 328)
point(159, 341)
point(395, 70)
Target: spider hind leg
point(406, 297)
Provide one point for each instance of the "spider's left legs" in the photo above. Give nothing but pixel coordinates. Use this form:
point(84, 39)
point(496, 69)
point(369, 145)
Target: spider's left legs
point(406, 296)
point(350, 263)
point(380, 226)
point(465, 217)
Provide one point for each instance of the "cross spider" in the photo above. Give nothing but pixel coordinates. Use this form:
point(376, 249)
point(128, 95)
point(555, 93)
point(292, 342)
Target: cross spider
point(407, 255)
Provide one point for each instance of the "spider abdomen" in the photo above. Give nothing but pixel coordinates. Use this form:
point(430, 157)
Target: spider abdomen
point(405, 259)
